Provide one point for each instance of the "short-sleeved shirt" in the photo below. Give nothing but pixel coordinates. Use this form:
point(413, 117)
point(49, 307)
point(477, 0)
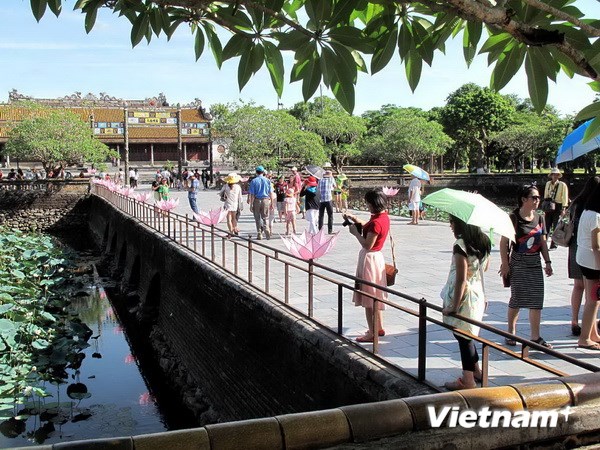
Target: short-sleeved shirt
point(557, 192)
point(296, 181)
point(260, 187)
point(193, 188)
point(380, 225)
point(414, 190)
point(326, 185)
point(589, 221)
point(528, 234)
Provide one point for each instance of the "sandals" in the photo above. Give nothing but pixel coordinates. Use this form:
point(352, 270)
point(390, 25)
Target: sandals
point(594, 346)
point(510, 341)
point(575, 330)
point(457, 385)
point(365, 338)
point(542, 342)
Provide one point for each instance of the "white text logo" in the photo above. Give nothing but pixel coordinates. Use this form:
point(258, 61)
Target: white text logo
point(485, 418)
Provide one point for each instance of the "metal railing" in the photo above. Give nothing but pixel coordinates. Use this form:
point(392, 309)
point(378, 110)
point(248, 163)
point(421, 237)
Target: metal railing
point(209, 242)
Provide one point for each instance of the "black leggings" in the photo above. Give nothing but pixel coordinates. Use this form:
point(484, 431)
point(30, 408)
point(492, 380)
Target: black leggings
point(468, 353)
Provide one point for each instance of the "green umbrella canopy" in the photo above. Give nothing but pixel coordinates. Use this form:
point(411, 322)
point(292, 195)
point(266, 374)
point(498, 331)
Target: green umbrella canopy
point(473, 209)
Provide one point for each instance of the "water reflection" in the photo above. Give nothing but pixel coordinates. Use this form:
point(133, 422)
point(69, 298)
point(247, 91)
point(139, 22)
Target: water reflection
point(102, 394)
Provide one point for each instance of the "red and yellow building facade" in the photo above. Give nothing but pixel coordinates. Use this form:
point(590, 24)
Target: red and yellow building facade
point(150, 130)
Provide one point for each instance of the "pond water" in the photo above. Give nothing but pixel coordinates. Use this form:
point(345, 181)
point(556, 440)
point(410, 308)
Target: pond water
point(106, 397)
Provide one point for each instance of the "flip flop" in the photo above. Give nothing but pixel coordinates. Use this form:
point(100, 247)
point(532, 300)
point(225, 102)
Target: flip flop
point(510, 342)
point(364, 338)
point(594, 346)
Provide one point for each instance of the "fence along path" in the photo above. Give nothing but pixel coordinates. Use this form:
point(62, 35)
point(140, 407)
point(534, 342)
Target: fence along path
point(424, 260)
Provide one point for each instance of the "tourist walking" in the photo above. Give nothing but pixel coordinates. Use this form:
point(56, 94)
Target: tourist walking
point(371, 263)
point(233, 201)
point(521, 264)
point(326, 186)
point(163, 189)
point(259, 199)
point(575, 210)
point(204, 177)
point(463, 294)
point(131, 176)
point(311, 203)
point(291, 209)
point(414, 200)
point(194, 187)
point(588, 258)
point(281, 188)
point(556, 200)
point(340, 179)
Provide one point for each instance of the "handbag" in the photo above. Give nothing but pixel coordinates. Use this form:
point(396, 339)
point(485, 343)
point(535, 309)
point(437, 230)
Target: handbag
point(390, 269)
point(563, 232)
point(548, 205)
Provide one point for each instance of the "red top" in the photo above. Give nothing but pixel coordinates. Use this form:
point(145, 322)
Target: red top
point(380, 225)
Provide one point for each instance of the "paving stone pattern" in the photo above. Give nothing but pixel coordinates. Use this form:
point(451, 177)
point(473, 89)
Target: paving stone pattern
point(424, 254)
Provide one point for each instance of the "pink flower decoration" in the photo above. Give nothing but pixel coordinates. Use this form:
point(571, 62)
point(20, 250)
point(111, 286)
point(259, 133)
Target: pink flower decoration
point(308, 246)
point(127, 192)
point(146, 398)
point(129, 359)
point(167, 205)
point(389, 191)
point(144, 197)
point(212, 217)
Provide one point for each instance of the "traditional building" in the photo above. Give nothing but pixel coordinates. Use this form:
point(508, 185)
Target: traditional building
point(150, 130)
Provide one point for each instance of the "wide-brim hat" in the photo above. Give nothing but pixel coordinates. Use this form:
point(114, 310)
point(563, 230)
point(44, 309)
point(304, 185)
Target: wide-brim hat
point(555, 170)
point(328, 173)
point(342, 177)
point(232, 178)
point(311, 181)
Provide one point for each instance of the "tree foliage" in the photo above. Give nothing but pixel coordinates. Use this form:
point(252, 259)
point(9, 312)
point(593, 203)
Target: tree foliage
point(56, 137)
point(470, 116)
point(271, 138)
point(330, 38)
point(403, 136)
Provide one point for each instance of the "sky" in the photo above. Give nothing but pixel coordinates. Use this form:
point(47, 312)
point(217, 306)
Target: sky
point(56, 57)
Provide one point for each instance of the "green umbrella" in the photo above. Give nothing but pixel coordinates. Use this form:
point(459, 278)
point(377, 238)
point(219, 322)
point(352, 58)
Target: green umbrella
point(473, 209)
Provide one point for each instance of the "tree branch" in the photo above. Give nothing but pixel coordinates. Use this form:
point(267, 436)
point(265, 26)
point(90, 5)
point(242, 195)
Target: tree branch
point(592, 31)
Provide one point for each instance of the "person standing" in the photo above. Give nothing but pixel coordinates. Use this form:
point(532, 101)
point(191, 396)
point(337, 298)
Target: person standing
point(326, 186)
point(259, 199)
point(291, 209)
point(556, 200)
point(371, 262)
point(588, 258)
point(163, 189)
point(524, 267)
point(232, 192)
point(463, 294)
point(311, 203)
point(194, 187)
point(281, 188)
point(576, 208)
point(131, 176)
point(414, 200)
point(204, 177)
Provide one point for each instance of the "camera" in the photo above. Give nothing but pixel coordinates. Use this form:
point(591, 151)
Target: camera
point(346, 222)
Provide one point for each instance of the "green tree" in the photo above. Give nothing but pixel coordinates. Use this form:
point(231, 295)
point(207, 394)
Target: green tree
point(56, 137)
point(330, 37)
point(405, 136)
point(470, 116)
point(271, 138)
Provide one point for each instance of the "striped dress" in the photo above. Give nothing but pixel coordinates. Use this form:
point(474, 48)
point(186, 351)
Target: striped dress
point(526, 274)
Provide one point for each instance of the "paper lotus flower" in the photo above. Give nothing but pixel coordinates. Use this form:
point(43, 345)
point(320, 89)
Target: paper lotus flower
point(107, 184)
point(212, 217)
point(310, 246)
point(167, 205)
point(92, 171)
point(144, 197)
point(390, 191)
point(126, 191)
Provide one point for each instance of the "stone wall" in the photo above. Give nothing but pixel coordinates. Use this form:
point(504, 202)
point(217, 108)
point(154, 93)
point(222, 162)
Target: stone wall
point(233, 352)
point(43, 205)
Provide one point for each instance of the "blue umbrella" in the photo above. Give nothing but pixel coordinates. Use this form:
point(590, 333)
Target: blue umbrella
point(572, 147)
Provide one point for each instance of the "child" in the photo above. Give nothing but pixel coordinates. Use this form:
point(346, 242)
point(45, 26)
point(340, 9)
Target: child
point(291, 209)
point(280, 189)
point(311, 202)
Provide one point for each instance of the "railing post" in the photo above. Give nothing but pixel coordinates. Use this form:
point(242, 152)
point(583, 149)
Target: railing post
point(340, 310)
point(286, 284)
point(169, 223)
point(194, 227)
point(485, 358)
point(267, 274)
point(180, 231)
point(235, 257)
point(422, 362)
point(187, 231)
point(250, 262)
point(310, 287)
point(203, 241)
point(223, 249)
point(375, 326)
point(212, 243)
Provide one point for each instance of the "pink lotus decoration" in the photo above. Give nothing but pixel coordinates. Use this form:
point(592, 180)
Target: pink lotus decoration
point(92, 171)
point(310, 246)
point(129, 359)
point(126, 191)
point(390, 191)
point(212, 217)
point(145, 399)
point(144, 197)
point(167, 205)
point(107, 184)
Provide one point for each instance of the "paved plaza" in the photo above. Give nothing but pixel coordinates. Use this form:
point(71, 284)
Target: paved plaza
point(423, 254)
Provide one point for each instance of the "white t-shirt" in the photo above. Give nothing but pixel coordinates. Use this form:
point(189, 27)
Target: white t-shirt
point(590, 220)
point(131, 173)
point(414, 191)
point(234, 196)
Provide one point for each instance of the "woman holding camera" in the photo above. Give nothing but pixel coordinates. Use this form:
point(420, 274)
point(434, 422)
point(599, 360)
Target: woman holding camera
point(371, 264)
point(588, 258)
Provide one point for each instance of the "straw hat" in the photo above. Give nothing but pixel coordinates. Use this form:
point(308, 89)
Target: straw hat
point(555, 170)
point(328, 173)
point(294, 169)
point(232, 178)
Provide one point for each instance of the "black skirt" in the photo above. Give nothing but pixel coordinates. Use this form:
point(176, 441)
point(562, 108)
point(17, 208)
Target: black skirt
point(526, 281)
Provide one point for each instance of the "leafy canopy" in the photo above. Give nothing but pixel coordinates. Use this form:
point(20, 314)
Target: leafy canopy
point(331, 38)
point(56, 137)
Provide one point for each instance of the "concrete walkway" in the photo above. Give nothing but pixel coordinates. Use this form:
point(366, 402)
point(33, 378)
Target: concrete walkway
point(424, 254)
